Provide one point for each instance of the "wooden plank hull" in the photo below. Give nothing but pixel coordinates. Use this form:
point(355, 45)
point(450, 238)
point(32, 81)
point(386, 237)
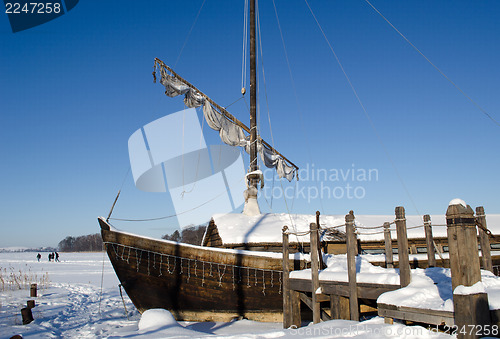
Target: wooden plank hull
point(193, 282)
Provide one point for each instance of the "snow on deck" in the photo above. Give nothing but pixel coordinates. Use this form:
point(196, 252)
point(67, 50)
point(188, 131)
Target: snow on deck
point(365, 272)
point(266, 228)
point(430, 288)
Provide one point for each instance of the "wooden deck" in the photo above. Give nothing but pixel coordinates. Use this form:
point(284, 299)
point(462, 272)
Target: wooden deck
point(368, 291)
point(419, 315)
point(335, 294)
point(425, 316)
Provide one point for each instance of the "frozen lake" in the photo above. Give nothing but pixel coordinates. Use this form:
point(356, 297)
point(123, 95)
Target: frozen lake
point(71, 304)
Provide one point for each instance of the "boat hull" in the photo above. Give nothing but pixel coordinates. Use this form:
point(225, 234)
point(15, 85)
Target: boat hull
point(196, 283)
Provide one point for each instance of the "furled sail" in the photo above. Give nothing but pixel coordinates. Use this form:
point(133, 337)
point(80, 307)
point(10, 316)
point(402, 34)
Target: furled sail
point(230, 133)
point(231, 130)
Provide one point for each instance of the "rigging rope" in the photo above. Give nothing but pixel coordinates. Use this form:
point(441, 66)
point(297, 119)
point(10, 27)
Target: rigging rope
point(261, 59)
point(189, 33)
point(369, 227)
point(199, 156)
point(267, 106)
point(433, 65)
point(226, 107)
point(299, 110)
point(174, 215)
point(364, 110)
point(123, 300)
point(245, 41)
point(370, 233)
point(102, 280)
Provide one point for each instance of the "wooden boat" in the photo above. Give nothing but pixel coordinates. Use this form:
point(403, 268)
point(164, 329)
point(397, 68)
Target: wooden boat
point(206, 283)
point(194, 282)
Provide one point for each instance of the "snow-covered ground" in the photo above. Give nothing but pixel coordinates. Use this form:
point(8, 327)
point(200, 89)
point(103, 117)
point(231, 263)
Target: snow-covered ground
point(70, 305)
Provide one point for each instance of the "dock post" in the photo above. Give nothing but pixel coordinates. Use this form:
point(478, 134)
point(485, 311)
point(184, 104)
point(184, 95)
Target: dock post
point(295, 307)
point(33, 289)
point(389, 261)
point(287, 317)
point(483, 239)
point(322, 265)
point(403, 259)
point(339, 307)
point(351, 265)
point(470, 309)
point(429, 242)
point(315, 272)
point(26, 315)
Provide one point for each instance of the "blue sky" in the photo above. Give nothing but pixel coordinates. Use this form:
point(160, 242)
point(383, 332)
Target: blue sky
point(75, 89)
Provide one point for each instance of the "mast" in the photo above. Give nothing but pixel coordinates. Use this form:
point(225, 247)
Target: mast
point(176, 85)
point(251, 205)
point(253, 94)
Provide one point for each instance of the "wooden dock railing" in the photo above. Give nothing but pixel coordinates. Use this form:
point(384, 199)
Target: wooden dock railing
point(343, 297)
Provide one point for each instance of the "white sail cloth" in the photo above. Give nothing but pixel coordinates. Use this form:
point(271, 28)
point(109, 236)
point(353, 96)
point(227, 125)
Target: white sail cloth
point(173, 86)
point(273, 160)
point(229, 132)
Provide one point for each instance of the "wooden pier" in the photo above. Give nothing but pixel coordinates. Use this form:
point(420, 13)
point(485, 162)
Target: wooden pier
point(340, 299)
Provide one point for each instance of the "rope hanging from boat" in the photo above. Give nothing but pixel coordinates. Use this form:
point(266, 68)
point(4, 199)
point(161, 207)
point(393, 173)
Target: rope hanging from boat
point(191, 266)
point(102, 282)
point(123, 301)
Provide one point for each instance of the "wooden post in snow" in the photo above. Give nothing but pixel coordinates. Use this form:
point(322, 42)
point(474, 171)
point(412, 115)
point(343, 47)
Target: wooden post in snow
point(295, 307)
point(429, 242)
point(33, 289)
point(389, 261)
point(287, 315)
point(351, 266)
point(313, 237)
point(322, 265)
point(403, 259)
point(471, 309)
point(26, 315)
point(483, 239)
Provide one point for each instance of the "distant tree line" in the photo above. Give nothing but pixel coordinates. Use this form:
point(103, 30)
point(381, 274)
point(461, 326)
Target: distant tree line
point(93, 242)
point(191, 235)
point(38, 249)
point(84, 243)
